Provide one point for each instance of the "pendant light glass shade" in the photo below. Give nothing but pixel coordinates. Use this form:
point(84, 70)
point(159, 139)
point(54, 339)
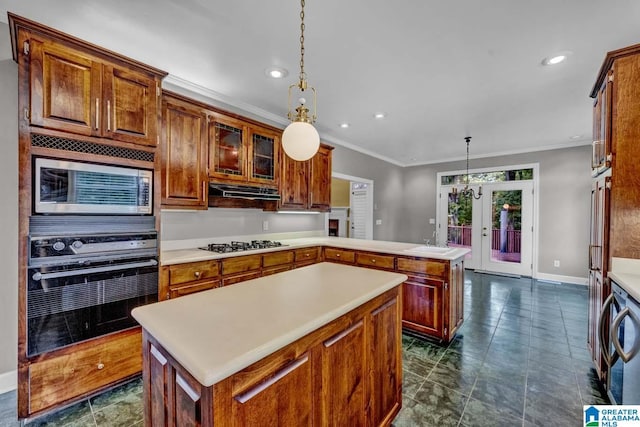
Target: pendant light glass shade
point(300, 140)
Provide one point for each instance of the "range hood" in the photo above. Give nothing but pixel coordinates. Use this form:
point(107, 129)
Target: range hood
point(243, 192)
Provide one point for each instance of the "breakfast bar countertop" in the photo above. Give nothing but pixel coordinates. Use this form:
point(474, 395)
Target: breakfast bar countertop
point(214, 334)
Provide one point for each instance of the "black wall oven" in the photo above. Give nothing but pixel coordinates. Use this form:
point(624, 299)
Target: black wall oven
point(85, 275)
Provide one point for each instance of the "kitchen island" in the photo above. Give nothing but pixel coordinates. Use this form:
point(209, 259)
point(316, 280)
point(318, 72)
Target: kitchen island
point(316, 345)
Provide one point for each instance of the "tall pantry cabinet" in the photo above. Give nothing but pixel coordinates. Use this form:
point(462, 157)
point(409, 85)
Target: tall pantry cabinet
point(615, 194)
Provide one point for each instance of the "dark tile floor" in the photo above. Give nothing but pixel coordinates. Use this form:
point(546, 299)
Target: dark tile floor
point(519, 360)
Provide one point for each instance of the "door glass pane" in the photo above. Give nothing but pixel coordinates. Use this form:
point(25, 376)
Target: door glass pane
point(263, 160)
point(459, 220)
point(506, 225)
point(228, 149)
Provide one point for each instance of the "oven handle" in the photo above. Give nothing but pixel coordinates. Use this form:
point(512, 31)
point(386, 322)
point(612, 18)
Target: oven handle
point(43, 276)
point(626, 356)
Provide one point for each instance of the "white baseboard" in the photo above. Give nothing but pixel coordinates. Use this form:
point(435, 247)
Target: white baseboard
point(8, 381)
point(557, 278)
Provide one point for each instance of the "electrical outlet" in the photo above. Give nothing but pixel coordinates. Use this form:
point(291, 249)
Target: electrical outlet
point(378, 222)
point(265, 225)
point(556, 263)
point(432, 220)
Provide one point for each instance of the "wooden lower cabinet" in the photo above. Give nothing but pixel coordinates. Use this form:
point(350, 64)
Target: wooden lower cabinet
point(346, 373)
point(344, 256)
point(183, 279)
point(422, 305)
point(91, 366)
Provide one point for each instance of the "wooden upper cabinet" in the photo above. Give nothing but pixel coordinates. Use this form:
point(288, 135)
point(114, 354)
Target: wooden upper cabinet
point(72, 90)
point(65, 88)
point(601, 148)
point(131, 106)
point(307, 185)
point(242, 153)
point(294, 190)
point(183, 153)
point(264, 156)
point(320, 180)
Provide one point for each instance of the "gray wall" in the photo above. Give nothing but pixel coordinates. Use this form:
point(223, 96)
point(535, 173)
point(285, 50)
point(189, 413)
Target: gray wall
point(387, 188)
point(564, 191)
point(9, 206)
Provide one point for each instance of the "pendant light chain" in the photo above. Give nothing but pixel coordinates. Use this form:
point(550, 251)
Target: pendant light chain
point(303, 76)
point(467, 139)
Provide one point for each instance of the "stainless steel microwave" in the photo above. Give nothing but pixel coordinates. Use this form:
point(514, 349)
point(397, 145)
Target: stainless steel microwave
point(62, 186)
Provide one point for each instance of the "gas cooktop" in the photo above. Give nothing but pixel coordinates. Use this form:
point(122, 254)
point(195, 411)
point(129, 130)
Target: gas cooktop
point(241, 246)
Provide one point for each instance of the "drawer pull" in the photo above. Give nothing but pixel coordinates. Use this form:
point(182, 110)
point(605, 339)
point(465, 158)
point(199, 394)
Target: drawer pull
point(197, 274)
point(337, 255)
point(100, 366)
point(307, 255)
point(373, 260)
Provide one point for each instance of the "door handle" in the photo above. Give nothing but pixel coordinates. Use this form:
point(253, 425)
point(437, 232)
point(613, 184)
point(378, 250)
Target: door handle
point(626, 356)
point(604, 343)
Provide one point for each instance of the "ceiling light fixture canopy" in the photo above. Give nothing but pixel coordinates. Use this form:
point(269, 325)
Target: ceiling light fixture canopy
point(466, 191)
point(300, 140)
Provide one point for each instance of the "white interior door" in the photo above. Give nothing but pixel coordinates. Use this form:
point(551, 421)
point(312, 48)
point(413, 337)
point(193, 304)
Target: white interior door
point(359, 211)
point(497, 228)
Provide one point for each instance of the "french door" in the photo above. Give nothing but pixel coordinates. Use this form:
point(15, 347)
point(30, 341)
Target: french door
point(497, 227)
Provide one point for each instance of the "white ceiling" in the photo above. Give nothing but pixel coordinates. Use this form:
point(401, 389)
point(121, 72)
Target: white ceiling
point(441, 70)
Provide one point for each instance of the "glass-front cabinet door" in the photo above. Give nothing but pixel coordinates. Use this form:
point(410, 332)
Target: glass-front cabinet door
point(227, 149)
point(263, 156)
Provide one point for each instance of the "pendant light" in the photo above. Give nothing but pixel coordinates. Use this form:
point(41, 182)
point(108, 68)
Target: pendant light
point(300, 140)
point(466, 191)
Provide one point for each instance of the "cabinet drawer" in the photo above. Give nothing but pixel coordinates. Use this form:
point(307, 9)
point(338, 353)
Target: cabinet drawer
point(277, 258)
point(339, 255)
point(375, 260)
point(184, 273)
point(87, 369)
point(241, 264)
point(178, 291)
point(423, 266)
point(306, 254)
point(277, 269)
point(226, 281)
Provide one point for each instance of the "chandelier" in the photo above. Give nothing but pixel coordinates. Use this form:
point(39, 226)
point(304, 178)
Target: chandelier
point(300, 140)
point(466, 191)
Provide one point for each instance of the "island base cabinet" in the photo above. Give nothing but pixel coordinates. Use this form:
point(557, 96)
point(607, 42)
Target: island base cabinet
point(348, 372)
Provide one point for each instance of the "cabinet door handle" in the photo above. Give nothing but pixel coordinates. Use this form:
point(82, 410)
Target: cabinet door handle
point(100, 366)
point(108, 115)
point(97, 113)
point(625, 356)
point(252, 392)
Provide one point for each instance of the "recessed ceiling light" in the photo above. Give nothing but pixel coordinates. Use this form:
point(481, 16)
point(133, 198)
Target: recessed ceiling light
point(276, 72)
point(556, 58)
point(379, 115)
point(344, 125)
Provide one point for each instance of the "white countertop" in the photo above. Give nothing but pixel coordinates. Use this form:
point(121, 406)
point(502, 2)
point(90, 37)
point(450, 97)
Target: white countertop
point(626, 273)
point(216, 333)
point(396, 248)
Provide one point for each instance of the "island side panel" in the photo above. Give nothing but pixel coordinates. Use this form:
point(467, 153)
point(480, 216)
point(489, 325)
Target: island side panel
point(290, 386)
